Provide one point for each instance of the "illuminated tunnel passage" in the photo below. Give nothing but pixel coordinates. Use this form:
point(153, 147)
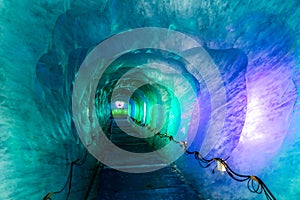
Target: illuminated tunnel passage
point(161, 89)
point(254, 46)
point(160, 92)
point(146, 98)
point(154, 106)
point(233, 60)
point(155, 91)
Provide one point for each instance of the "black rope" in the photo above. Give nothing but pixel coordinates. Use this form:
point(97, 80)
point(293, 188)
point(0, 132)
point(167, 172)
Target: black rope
point(69, 179)
point(254, 184)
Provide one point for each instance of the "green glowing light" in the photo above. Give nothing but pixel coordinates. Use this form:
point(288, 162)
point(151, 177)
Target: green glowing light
point(119, 112)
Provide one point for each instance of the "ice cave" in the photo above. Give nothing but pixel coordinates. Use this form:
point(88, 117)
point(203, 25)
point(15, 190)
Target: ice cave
point(149, 99)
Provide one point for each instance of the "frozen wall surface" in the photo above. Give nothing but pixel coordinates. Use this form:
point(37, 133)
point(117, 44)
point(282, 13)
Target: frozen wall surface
point(254, 45)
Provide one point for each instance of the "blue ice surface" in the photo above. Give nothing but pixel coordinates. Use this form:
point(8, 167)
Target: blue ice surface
point(38, 145)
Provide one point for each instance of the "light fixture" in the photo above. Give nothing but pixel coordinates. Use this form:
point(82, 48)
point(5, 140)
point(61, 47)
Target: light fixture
point(119, 104)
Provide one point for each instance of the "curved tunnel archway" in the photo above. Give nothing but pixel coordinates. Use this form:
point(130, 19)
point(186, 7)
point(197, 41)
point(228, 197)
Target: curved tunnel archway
point(255, 56)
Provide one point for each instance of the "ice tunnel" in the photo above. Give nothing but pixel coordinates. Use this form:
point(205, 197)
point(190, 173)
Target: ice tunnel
point(140, 99)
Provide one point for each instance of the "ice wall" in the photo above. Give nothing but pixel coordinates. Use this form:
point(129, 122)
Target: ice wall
point(44, 42)
point(37, 139)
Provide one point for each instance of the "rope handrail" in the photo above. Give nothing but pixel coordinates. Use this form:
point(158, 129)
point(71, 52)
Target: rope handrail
point(254, 183)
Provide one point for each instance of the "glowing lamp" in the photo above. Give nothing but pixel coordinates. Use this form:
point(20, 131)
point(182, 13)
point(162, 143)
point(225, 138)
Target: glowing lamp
point(119, 104)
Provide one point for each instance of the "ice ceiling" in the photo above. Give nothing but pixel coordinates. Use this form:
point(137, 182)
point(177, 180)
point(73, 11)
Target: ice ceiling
point(253, 44)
